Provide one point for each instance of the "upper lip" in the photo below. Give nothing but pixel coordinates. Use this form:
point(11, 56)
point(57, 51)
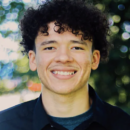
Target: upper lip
point(63, 69)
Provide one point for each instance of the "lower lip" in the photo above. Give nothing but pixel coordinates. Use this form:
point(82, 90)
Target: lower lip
point(63, 76)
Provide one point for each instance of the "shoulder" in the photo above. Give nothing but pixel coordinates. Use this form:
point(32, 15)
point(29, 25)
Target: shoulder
point(18, 112)
point(115, 111)
point(117, 117)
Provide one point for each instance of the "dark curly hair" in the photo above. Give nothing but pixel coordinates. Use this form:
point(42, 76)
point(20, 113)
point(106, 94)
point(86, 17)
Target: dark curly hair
point(76, 14)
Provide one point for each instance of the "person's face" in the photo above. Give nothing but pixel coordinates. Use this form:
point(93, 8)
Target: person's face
point(63, 61)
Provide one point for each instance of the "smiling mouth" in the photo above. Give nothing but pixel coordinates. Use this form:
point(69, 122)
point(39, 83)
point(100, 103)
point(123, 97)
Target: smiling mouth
point(64, 73)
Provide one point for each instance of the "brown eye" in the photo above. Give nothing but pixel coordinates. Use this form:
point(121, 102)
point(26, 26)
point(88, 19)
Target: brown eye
point(77, 48)
point(49, 48)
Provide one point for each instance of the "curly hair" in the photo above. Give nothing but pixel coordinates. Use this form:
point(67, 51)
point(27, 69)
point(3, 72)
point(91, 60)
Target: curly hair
point(76, 14)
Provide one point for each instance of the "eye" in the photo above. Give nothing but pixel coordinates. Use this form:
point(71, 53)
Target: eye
point(77, 48)
point(49, 48)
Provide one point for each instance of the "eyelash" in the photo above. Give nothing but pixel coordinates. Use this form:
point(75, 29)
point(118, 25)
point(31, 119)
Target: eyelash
point(49, 48)
point(76, 48)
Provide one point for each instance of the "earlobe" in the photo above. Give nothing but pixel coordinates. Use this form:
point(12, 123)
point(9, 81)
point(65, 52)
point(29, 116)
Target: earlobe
point(32, 60)
point(95, 59)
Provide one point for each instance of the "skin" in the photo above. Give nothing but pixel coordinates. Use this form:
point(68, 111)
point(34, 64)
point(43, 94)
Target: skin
point(64, 96)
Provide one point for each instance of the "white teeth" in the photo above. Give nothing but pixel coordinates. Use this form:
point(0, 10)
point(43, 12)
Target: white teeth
point(63, 73)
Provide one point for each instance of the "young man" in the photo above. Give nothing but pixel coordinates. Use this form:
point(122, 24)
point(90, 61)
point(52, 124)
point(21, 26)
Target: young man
point(65, 40)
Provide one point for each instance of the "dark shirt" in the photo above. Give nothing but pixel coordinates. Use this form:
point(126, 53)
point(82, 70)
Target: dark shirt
point(32, 116)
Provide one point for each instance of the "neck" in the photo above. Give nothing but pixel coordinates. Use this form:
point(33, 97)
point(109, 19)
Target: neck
point(69, 105)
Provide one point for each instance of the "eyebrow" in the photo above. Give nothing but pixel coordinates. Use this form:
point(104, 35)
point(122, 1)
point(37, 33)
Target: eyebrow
point(78, 42)
point(72, 41)
point(47, 42)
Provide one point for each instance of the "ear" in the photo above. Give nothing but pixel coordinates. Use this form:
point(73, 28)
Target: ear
point(95, 59)
point(32, 60)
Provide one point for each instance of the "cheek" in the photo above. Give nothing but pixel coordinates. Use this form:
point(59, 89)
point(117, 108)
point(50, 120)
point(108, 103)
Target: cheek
point(85, 64)
point(86, 67)
point(42, 59)
point(84, 60)
point(43, 62)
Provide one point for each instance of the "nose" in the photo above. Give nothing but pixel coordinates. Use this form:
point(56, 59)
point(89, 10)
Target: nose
point(63, 55)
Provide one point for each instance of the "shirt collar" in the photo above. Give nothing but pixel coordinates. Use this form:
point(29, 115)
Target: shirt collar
point(40, 117)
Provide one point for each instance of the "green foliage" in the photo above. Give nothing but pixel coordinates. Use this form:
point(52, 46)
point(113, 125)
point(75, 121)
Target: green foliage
point(112, 79)
point(3, 89)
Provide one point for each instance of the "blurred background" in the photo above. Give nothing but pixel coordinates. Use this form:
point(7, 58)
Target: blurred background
point(112, 79)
